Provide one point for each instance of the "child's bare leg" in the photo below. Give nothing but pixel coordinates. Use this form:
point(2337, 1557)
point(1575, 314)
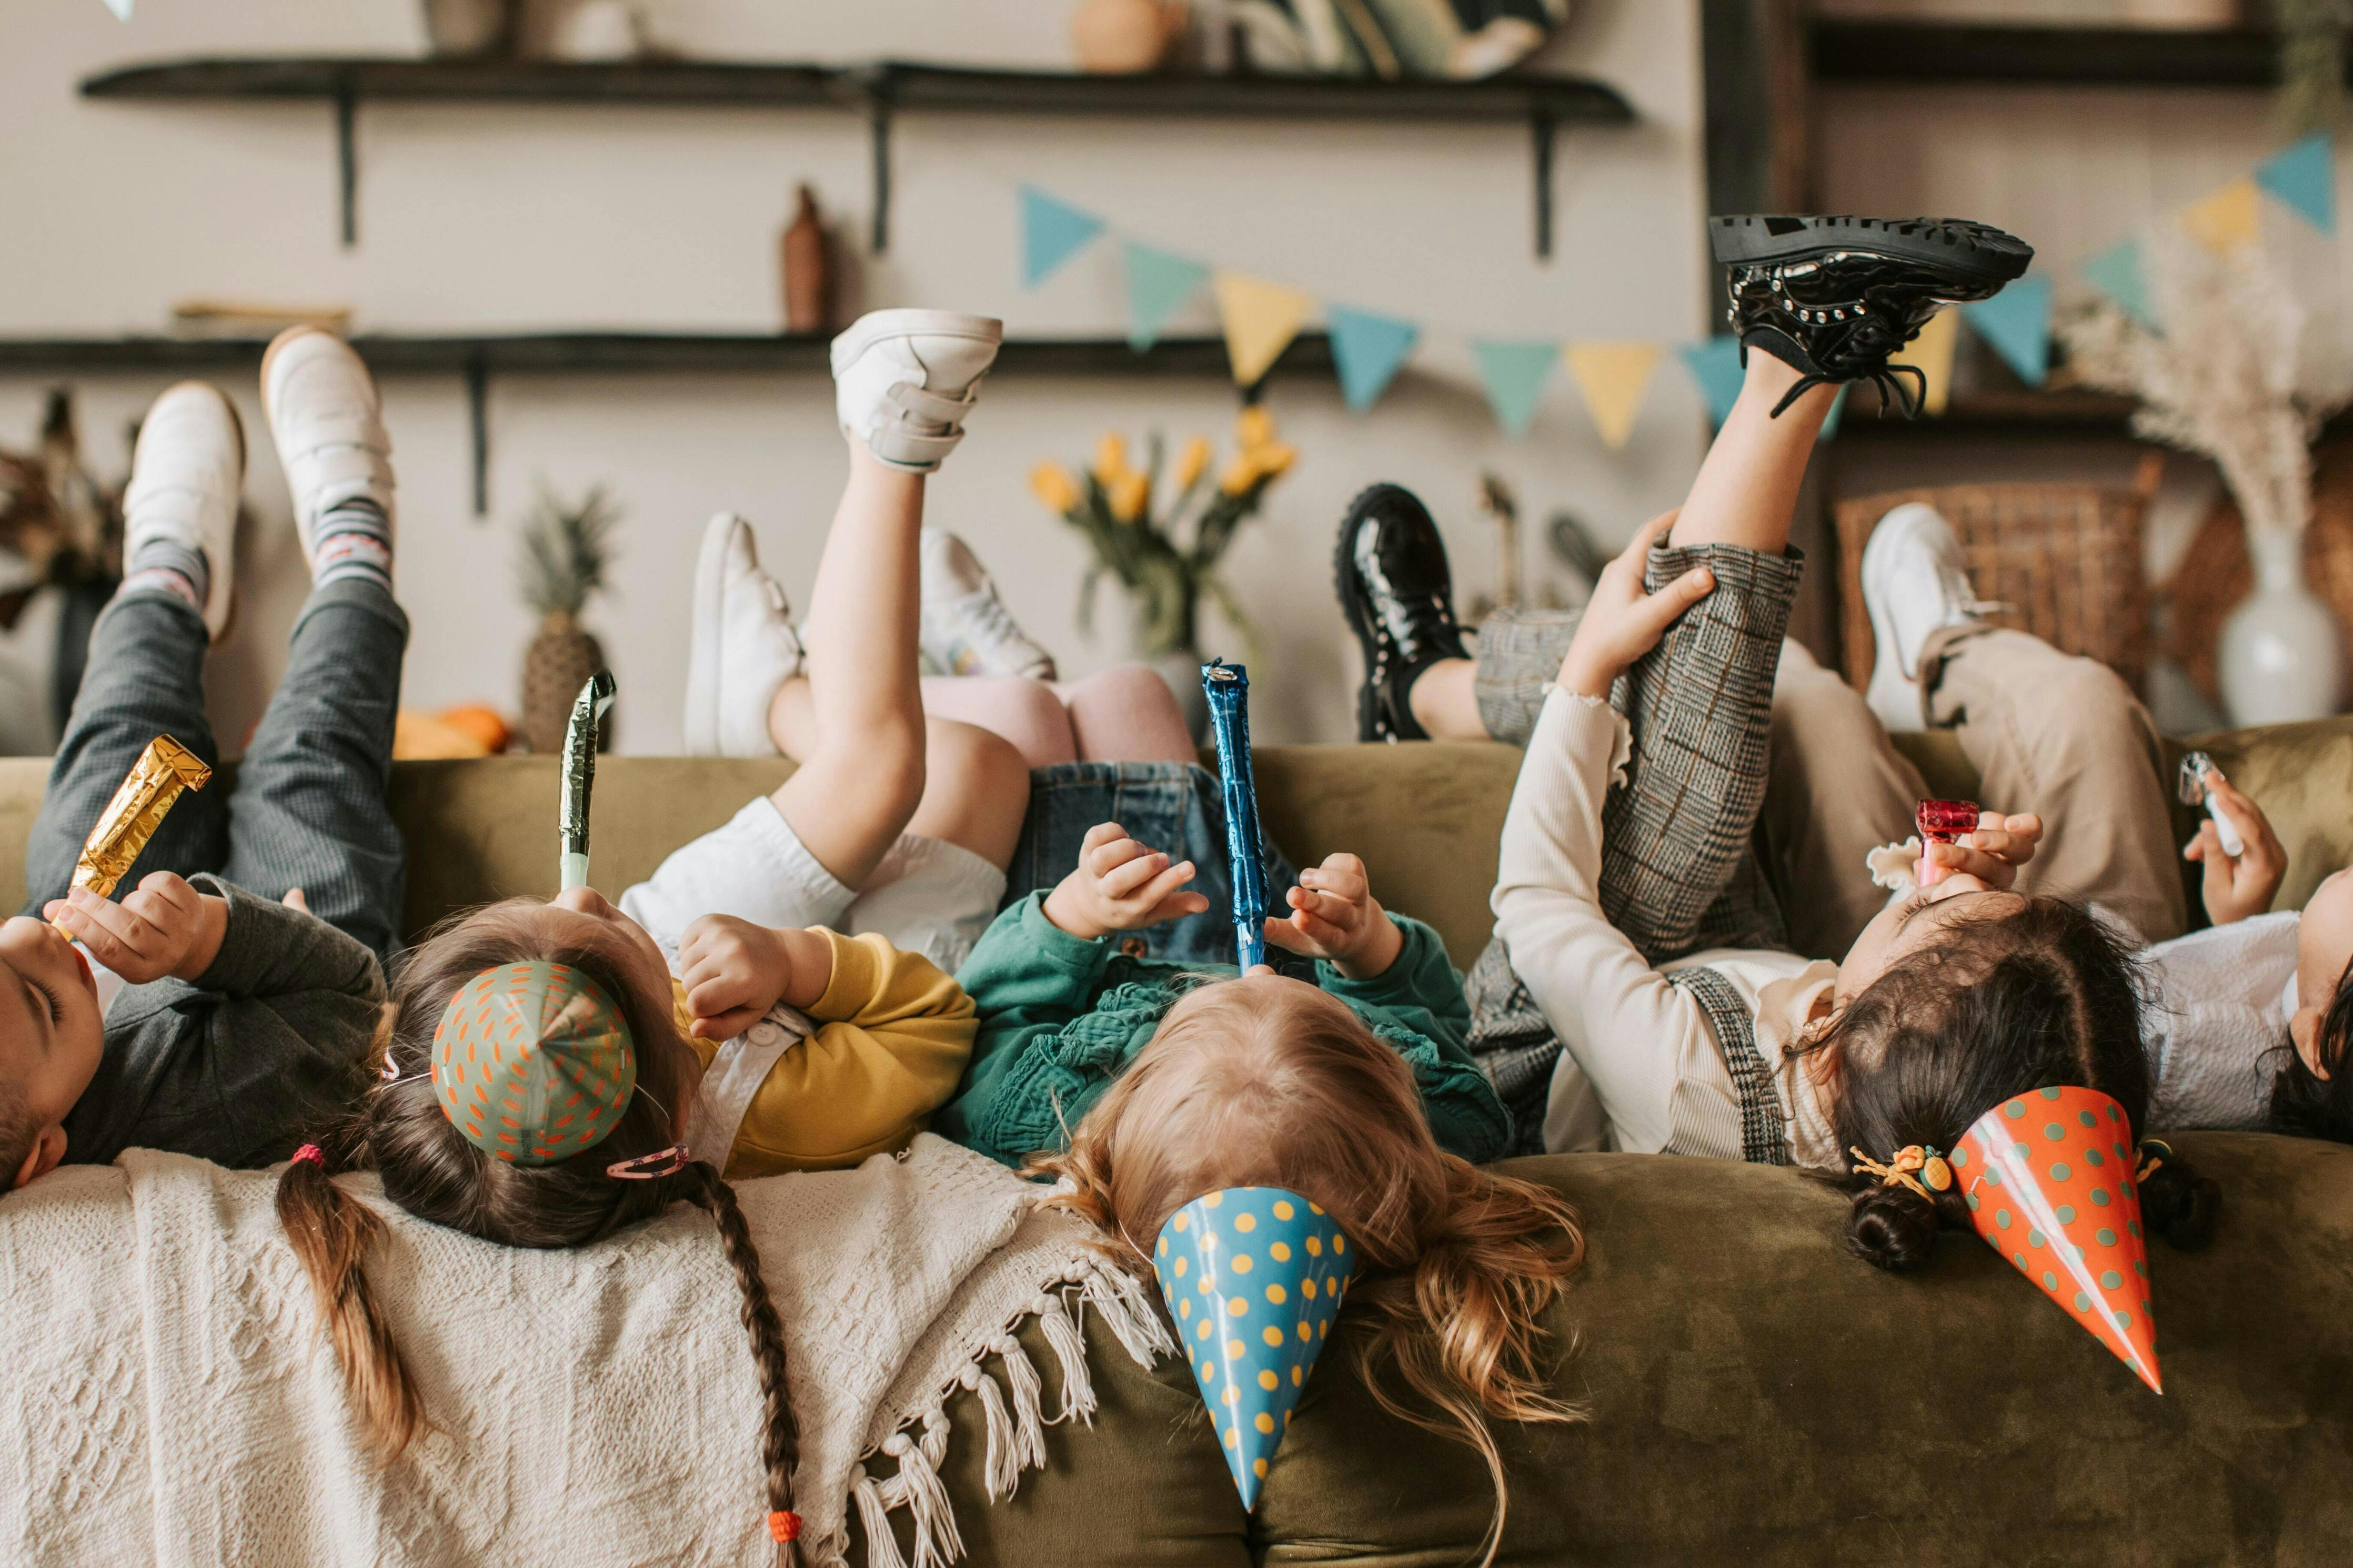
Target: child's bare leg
point(1445, 700)
point(1746, 489)
point(976, 791)
point(1127, 714)
point(1024, 711)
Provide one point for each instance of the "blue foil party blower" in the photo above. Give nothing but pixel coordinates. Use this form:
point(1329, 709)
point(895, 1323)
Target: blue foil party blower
point(1228, 686)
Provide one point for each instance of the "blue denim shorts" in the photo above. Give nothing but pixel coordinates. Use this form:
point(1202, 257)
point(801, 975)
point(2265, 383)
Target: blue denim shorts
point(1175, 807)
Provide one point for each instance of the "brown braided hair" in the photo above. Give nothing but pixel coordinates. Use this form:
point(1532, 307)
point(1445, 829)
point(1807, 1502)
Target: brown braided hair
point(431, 1171)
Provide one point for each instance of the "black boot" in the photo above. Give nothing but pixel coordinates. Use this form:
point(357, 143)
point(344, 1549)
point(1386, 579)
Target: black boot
point(1833, 296)
point(1394, 584)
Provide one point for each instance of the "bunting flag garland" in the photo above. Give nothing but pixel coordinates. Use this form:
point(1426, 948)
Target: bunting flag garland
point(1514, 375)
point(1613, 377)
point(1368, 351)
point(121, 9)
point(1261, 319)
point(1715, 366)
point(1158, 284)
point(2116, 272)
point(1834, 419)
point(1932, 353)
point(2302, 176)
point(2229, 219)
point(2017, 322)
point(1051, 233)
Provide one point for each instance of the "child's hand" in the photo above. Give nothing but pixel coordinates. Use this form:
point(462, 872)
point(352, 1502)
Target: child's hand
point(165, 927)
point(1335, 916)
point(2237, 889)
point(1120, 885)
point(733, 971)
point(1621, 623)
point(1991, 852)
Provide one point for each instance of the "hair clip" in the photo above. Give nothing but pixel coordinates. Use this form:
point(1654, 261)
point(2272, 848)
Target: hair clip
point(1912, 1165)
point(2154, 1152)
point(391, 1073)
point(645, 1167)
point(310, 1154)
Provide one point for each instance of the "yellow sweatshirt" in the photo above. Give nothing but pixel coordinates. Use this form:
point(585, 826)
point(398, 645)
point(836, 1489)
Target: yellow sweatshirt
point(882, 1049)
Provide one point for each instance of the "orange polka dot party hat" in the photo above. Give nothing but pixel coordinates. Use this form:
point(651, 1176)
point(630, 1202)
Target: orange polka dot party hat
point(2049, 1176)
point(1254, 1278)
point(532, 1062)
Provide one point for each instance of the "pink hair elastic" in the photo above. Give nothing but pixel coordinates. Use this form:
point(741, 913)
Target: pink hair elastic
point(310, 1154)
point(647, 1167)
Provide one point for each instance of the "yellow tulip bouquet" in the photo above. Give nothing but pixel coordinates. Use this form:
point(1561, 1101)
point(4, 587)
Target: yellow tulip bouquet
point(1112, 504)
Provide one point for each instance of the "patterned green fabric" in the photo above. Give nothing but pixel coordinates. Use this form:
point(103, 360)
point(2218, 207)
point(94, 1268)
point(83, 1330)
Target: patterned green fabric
point(534, 1063)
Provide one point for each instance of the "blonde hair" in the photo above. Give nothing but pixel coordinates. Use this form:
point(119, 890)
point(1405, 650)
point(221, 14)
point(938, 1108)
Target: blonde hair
point(1272, 1082)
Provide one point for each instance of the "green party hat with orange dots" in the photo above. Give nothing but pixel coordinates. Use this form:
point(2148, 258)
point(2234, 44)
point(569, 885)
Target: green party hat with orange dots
point(532, 1062)
point(1254, 1278)
point(2049, 1176)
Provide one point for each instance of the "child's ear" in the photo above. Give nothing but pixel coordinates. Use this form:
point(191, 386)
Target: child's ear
point(43, 1157)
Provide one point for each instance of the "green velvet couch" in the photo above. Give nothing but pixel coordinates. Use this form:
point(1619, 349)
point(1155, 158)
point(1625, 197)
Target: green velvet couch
point(1755, 1396)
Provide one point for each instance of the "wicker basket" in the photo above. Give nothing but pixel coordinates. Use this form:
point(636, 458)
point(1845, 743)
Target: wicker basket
point(2064, 561)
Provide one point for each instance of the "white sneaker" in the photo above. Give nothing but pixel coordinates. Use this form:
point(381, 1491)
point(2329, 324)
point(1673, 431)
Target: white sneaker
point(329, 427)
point(1912, 584)
point(744, 645)
point(187, 472)
point(966, 629)
point(905, 381)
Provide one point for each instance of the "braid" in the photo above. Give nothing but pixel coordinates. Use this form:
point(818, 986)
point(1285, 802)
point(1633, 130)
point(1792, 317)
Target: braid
point(780, 1442)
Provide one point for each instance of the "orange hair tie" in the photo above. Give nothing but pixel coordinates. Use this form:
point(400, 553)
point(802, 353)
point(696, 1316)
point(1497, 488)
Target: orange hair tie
point(785, 1525)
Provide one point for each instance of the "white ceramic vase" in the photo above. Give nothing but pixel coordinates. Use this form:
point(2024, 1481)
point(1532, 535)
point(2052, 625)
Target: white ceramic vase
point(2282, 658)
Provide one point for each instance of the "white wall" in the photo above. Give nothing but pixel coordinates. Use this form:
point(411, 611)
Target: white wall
point(476, 219)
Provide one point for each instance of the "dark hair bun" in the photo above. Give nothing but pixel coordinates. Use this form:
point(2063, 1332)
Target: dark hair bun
point(1892, 1226)
point(2179, 1204)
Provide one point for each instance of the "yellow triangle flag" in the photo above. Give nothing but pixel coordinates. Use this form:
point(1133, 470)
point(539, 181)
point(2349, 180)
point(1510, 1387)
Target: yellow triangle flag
point(1613, 377)
point(1261, 319)
point(1932, 350)
point(2228, 219)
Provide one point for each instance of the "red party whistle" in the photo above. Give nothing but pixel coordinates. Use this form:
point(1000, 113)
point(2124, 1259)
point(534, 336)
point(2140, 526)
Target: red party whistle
point(1941, 822)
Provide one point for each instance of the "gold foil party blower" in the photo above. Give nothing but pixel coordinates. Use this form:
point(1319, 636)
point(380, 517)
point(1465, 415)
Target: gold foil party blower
point(137, 810)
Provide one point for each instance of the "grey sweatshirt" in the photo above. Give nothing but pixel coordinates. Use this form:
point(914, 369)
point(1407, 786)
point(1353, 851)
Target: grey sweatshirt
point(259, 1054)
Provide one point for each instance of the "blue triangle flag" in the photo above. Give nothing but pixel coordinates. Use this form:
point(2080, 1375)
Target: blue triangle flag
point(1158, 283)
point(1051, 232)
point(2304, 175)
point(1368, 351)
point(2017, 322)
point(2117, 273)
point(1514, 375)
point(1830, 421)
point(1715, 366)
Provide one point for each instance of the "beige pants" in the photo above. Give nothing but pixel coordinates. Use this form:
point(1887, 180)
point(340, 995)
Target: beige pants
point(2062, 737)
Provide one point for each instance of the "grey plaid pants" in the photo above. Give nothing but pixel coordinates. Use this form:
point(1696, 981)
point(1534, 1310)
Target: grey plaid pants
point(1678, 871)
point(309, 808)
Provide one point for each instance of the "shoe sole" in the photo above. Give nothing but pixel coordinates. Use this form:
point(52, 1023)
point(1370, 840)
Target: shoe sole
point(1978, 250)
point(1358, 613)
point(877, 325)
point(236, 423)
point(702, 654)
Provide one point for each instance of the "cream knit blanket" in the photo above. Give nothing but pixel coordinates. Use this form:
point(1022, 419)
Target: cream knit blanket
point(170, 1395)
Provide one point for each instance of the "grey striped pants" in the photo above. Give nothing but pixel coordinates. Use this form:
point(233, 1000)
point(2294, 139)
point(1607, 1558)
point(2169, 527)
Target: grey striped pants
point(309, 804)
point(1679, 872)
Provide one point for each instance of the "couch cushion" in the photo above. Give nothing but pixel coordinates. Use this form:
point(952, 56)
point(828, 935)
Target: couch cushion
point(1758, 1396)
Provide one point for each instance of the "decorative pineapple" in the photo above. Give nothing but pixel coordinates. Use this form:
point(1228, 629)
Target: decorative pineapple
point(565, 552)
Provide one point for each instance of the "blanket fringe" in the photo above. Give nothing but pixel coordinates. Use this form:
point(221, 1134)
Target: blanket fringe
point(1013, 1414)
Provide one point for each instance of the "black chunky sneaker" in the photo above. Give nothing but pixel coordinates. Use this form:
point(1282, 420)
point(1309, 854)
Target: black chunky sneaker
point(1400, 596)
point(1833, 296)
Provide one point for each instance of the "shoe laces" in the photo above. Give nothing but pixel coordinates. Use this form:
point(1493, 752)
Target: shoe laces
point(983, 617)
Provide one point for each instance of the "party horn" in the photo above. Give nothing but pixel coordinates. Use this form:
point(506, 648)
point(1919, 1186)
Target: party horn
point(1227, 688)
point(1254, 1278)
point(2049, 1177)
point(588, 711)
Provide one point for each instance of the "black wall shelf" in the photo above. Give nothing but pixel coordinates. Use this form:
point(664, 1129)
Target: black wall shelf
point(1884, 53)
point(476, 359)
point(879, 91)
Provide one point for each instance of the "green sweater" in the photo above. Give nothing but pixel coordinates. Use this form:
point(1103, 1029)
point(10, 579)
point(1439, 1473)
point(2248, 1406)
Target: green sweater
point(1061, 1018)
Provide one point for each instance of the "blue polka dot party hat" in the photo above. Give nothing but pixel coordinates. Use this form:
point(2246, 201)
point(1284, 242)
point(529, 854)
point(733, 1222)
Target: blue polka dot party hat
point(1254, 1277)
point(2049, 1177)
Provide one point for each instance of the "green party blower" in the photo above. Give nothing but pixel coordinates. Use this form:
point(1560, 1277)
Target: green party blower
point(580, 774)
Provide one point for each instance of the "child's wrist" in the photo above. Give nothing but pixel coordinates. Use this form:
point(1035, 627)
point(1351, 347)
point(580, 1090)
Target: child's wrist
point(1382, 945)
point(1582, 676)
point(1065, 911)
point(204, 947)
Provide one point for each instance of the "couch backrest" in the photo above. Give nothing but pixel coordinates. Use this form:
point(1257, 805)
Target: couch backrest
point(1425, 818)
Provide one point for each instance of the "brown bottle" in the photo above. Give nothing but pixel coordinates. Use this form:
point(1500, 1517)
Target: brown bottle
point(808, 270)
